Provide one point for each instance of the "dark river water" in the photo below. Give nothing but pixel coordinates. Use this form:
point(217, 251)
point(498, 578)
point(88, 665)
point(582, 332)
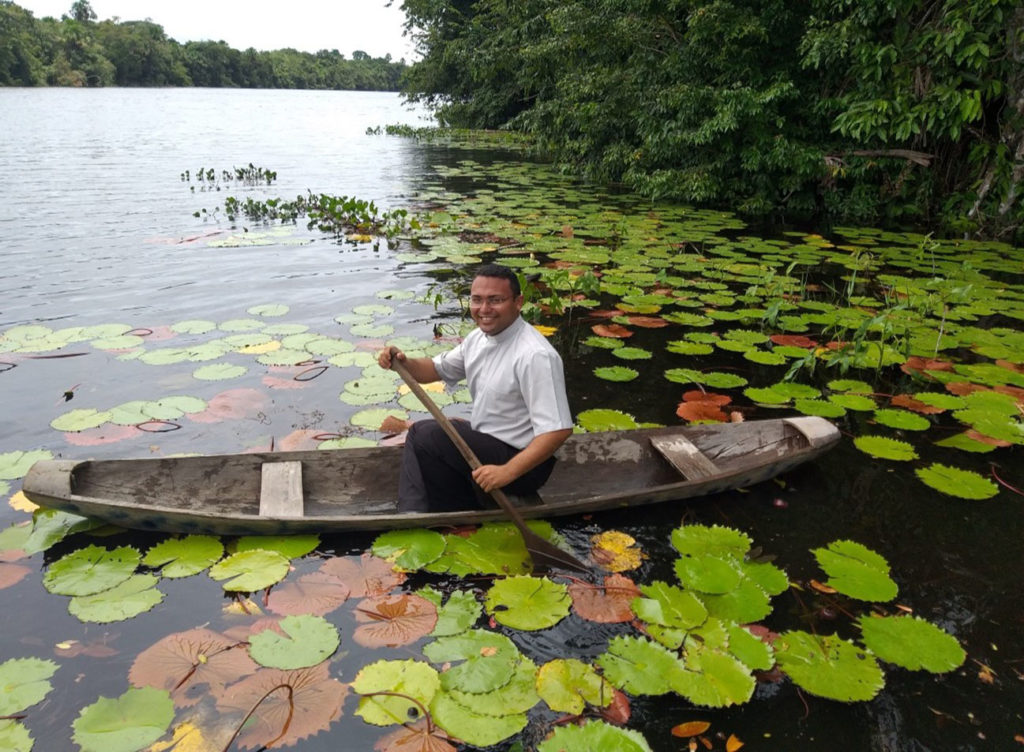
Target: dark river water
point(97, 228)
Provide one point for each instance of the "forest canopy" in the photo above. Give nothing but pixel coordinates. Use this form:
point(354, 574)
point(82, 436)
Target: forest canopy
point(873, 111)
point(78, 50)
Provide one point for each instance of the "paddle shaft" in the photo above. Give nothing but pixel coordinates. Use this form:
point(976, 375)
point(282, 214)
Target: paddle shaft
point(537, 546)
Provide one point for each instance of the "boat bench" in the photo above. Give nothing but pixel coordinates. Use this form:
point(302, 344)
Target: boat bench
point(685, 457)
point(281, 490)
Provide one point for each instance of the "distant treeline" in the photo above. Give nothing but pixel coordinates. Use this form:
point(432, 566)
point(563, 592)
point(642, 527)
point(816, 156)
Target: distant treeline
point(76, 50)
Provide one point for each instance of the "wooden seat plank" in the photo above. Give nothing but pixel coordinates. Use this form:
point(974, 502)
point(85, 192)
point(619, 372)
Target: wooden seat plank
point(685, 457)
point(281, 490)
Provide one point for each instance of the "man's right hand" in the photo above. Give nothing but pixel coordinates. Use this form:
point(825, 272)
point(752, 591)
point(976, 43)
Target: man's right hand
point(384, 357)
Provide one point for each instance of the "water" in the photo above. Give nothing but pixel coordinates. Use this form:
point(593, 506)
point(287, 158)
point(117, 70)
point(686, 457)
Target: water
point(96, 227)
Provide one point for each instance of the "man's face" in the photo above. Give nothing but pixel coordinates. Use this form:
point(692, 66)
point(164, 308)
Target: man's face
point(492, 305)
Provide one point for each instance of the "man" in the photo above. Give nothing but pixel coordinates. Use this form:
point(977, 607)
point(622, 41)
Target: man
point(520, 410)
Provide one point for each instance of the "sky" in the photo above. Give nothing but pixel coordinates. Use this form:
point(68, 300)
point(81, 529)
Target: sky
point(307, 25)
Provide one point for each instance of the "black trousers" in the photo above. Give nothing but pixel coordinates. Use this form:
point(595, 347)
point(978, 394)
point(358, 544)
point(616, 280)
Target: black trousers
point(436, 478)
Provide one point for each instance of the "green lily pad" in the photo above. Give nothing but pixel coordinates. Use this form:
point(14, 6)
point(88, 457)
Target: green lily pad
point(183, 557)
point(616, 373)
point(912, 643)
point(965, 443)
point(90, 570)
point(850, 385)
point(713, 679)
point(853, 402)
point(952, 481)
point(248, 571)
point(495, 548)
point(829, 666)
point(885, 448)
point(639, 666)
point(219, 372)
point(372, 419)
point(714, 379)
point(821, 408)
point(14, 465)
point(411, 678)
point(268, 310)
point(708, 574)
point(517, 695)
point(128, 599)
point(483, 661)
point(289, 546)
point(605, 420)
point(715, 540)
point(14, 737)
point(80, 419)
point(23, 683)
point(409, 549)
point(478, 729)
point(569, 685)
point(856, 571)
point(127, 723)
point(768, 395)
point(594, 735)
point(528, 603)
point(902, 419)
point(632, 353)
point(307, 641)
point(460, 612)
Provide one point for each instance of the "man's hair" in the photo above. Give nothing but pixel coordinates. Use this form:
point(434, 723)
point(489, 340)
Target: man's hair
point(501, 272)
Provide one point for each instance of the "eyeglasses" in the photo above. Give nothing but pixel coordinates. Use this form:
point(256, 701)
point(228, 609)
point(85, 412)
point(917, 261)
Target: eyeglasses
point(492, 300)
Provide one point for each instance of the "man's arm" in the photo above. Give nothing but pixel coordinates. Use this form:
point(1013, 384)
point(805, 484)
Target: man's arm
point(421, 369)
point(489, 477)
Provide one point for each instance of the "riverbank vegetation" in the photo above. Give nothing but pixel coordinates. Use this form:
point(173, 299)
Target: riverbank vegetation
point(867, 111)
point(78, 50)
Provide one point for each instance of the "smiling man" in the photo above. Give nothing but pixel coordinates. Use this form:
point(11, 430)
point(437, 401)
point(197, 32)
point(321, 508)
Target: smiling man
point(520, 410)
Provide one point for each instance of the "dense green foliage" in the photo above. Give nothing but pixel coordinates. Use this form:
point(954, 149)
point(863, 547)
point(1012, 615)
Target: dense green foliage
point(871, 110)
point(79, 51)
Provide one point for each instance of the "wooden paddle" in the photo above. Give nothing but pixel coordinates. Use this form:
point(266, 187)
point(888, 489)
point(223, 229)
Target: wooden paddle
point(545, 554)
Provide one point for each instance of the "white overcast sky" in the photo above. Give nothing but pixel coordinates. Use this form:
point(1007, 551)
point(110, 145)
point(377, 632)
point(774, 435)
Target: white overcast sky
point(308, 25)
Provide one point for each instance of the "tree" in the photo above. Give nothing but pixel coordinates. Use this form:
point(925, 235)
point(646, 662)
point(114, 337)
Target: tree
point(82, 12)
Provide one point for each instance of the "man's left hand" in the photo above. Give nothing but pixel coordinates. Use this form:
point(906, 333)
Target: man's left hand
point(490, 477)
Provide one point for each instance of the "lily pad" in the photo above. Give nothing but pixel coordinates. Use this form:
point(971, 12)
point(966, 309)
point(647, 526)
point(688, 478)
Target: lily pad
point(594, 735)
point(289, 546)
point(483, 661)
point(606, 420)
point(569, 685)
point(639, 666)
point(885, 448)
point(134, 596)
point(478, 729)
point(528, 603)
point(616, 373)
point(23, 683)
point(829, 666)
point(409, 549)
point(460, 612)
point(182, 557)
point(902, 419)
point(952, 481)
point(14, 465)
point(856, 571)
point(912, 643)
point(411, 678)
point(91, 570)
point(248, 571)
point(307, 641)
point(124, 724)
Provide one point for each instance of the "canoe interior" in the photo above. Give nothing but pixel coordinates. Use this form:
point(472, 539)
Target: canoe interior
point(357, 488)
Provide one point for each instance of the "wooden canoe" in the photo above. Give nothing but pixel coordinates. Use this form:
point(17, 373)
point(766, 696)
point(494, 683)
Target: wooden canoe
point(356, 489)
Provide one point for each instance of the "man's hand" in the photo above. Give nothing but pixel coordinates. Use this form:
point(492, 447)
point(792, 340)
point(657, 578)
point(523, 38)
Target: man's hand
point(490, 477)
point(384, 358)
